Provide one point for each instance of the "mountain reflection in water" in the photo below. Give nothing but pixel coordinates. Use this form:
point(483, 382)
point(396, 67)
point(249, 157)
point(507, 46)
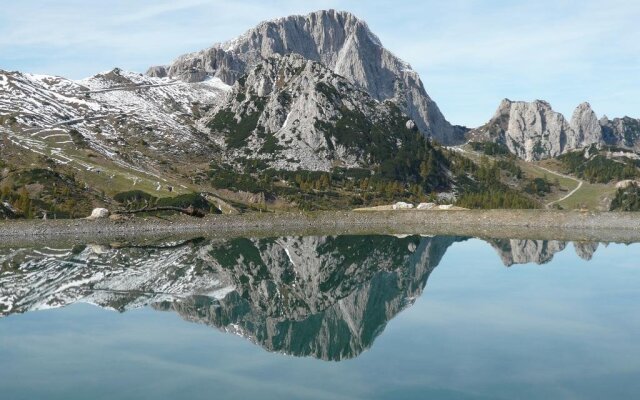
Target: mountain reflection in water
point(325, 297)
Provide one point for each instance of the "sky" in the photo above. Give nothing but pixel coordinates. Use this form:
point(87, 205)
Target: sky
point(470, 53)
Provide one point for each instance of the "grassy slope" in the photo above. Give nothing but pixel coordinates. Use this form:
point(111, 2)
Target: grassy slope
point(590, 196)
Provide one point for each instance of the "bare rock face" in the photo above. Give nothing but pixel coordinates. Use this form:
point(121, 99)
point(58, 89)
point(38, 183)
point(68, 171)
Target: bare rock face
point(533, 131)
point(290, 112)
point(338, 40)
point(158, 71)
point(530, 130)
point(585, 126)
point(623, 132)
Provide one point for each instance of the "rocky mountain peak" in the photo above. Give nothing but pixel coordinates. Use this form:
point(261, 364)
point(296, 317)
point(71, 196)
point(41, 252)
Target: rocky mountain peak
point(338, 40)
point(586, 127)
point(534, 131)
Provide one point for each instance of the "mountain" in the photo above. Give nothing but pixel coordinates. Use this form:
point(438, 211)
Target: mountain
point(133, 121)
point(327, 297)
point(292, 113)
point(338, 40)
point(291, 98)
point(534, 131)
point(516, 251)
point(519, 251)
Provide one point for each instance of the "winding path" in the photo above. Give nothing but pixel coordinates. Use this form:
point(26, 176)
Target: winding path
point(548, 205)
point(571, 193)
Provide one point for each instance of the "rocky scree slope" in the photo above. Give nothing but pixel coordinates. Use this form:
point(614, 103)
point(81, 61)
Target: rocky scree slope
point(534, 131)
point(137, 121)
point(338, 40)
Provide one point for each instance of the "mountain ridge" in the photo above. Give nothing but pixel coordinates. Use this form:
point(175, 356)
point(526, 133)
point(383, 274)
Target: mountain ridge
point(337, 39)
point(534, 131)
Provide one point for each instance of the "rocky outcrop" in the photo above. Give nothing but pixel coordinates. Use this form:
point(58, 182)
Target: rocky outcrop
point(99, 213)
point(585, 128)
point(534, 131)
point(338, 40)
point(623, 132)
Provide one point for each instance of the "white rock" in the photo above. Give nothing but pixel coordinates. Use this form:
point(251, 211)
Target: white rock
point(626, 183)
point(445, 206)
point(426, 206)
point(401, 205)
point(99, 213)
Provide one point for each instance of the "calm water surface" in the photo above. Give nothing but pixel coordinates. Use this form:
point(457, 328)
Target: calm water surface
point(347, 317)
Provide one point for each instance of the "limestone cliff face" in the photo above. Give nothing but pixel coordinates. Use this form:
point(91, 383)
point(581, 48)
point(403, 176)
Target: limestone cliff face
point(338, 40)
point(585, 128)
point(534, 131)
point(292, 113)
point(623, 132)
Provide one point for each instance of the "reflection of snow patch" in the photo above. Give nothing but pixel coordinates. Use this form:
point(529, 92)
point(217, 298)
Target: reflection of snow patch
point(221, 293)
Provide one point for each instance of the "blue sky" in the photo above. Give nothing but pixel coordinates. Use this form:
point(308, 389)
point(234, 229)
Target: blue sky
point(469, 53)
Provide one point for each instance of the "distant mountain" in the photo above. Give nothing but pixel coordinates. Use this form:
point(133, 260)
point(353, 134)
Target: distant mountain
point(338, 40)
point(534, 131)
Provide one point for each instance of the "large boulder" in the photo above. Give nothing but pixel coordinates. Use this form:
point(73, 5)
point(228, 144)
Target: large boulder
point(99, 213)
point(401, 205)
point(426, 206)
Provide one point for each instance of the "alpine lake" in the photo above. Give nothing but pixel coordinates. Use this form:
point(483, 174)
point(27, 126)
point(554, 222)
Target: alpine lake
point(320, 317)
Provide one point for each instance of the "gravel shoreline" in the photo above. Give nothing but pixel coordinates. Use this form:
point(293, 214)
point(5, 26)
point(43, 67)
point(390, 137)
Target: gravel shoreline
point(533, 224)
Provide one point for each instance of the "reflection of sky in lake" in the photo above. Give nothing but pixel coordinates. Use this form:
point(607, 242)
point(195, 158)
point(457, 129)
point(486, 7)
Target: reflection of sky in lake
point(480, 330)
